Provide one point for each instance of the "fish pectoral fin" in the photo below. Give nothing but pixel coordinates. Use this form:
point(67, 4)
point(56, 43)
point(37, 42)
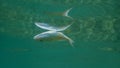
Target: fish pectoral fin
point(66, 37)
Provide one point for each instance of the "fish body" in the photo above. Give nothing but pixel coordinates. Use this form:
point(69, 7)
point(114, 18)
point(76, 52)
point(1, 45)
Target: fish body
point(51, 28)
point(49, 36)
point(46, 36)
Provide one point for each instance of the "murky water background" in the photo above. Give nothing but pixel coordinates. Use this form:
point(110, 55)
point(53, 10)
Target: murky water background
point(95, 33)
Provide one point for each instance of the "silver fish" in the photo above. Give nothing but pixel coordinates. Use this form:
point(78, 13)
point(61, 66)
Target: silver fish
point(53, 33)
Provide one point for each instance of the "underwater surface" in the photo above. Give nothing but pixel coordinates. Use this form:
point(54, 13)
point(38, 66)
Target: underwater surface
point(95, 31)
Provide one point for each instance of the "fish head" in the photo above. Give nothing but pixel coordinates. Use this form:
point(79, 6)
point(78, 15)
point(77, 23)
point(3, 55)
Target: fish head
point(40, 37)
point(46, 36)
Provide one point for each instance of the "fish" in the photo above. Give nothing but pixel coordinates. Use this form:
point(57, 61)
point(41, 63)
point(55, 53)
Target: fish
point(53, 33)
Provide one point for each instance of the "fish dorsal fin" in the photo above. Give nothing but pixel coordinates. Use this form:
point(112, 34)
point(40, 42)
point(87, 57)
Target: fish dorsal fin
point(51, 28)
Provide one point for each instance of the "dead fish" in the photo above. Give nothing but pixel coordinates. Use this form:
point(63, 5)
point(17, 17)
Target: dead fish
point(53, 33)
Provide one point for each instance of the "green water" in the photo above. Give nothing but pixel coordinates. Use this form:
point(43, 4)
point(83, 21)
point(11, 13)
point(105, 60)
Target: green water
point(95, 32)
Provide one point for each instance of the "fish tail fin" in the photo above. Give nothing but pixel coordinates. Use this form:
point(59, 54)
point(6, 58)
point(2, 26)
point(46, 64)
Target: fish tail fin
point(71, 42)
point(67, 38)
point(66, 13)
point(64, 28)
